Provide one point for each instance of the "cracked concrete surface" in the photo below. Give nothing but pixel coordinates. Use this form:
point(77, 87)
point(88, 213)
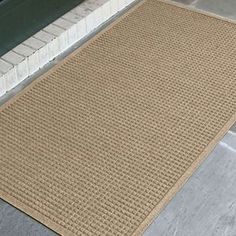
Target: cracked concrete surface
point(205, 206)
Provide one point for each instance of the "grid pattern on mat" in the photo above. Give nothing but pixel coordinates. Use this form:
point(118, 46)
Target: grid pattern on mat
point(95, 145)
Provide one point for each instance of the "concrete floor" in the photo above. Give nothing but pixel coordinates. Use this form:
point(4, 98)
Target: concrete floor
point(205, 206)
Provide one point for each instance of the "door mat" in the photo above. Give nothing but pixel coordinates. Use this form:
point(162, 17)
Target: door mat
point(99, 144)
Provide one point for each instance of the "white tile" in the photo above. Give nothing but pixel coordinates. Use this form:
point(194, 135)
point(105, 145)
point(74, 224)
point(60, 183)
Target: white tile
point(43, 56)
point(11, 79)
point(129, 1)
point(70, 16)
point(81, 10)
point(33, 63)
point(95, 16)
point(121, 4)
point(24, 50)
point(34, 43)
point(63, 42)
point(98, 18)
point(90, 25)
point(106, 11)
point(101, 2)
point(114, 7)
point(53, 49)
point(73, 35)
point(61, 36)
point(19, 62)
point(2, 85)
point(13, 58)
point(54, 30)
point(32, 57)
point(70, 28)
point(92, 5)
point(5, 66)
point(52, 44)
point(63, 23)
point(22, 70)
point(9, 73)
point(81, 28)
point(44, 36)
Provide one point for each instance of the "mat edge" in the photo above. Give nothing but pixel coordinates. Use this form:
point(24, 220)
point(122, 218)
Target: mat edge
point(178, 185)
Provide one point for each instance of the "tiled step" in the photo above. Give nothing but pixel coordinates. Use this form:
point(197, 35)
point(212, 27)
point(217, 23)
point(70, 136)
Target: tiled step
point(34, 53)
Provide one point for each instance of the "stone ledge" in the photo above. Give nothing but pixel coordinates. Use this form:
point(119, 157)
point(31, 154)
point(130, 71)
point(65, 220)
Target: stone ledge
point(37, 51)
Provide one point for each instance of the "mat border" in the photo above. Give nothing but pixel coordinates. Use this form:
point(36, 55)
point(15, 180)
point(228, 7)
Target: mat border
point(181, 181)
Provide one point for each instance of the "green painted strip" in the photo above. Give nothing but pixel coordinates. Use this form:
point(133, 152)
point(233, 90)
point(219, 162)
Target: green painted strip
point(20, 19)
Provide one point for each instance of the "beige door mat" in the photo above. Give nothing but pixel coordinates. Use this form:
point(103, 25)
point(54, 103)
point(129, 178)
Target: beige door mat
point(101, 143)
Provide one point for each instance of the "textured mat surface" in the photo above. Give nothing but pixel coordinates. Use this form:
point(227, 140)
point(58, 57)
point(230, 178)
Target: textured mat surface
point(98, 145)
